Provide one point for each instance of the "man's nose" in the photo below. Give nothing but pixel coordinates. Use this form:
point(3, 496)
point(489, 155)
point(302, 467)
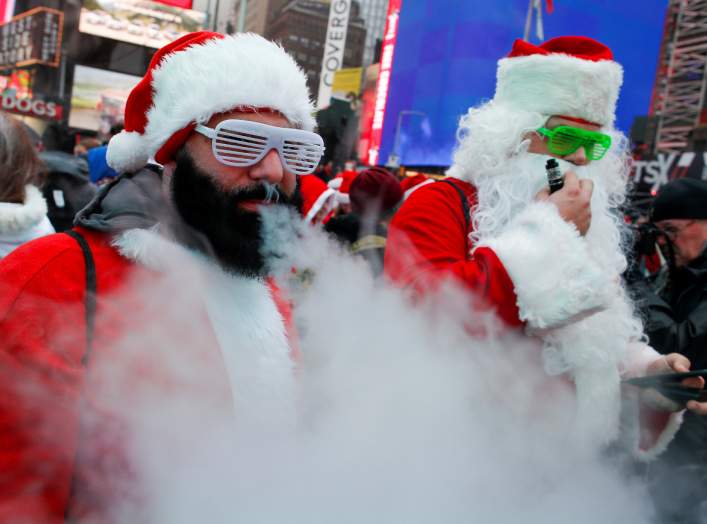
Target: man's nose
point(578, 158)
point(269, 169)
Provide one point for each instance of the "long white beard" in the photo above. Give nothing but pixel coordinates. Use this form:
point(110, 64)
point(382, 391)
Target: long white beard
point(591, 349)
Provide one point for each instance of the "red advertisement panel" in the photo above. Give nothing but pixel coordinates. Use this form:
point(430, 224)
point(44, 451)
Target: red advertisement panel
point(386, 66)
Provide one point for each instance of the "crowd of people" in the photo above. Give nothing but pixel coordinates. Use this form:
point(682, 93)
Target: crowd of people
point(221, 128)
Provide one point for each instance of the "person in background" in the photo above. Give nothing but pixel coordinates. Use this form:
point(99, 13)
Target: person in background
point(23, 210)
point(99, 172)
point(375, 195)
point(85, 144)
point(675, 318)
point(66, 187)
point(318, 199)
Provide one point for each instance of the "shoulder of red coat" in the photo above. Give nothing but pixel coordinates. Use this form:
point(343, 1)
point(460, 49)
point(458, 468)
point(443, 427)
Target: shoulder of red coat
point(52, 266)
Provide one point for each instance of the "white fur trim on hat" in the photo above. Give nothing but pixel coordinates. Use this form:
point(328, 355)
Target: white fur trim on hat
point(559, 84)
point(410, 191)
point(343, 198)
point(128, 151)
point(319, 203)
point(218, 75)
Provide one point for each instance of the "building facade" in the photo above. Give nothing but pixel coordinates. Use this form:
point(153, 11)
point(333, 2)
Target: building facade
point(301, 28)
point(258, 15)
point(373, 13)
point(679, 94)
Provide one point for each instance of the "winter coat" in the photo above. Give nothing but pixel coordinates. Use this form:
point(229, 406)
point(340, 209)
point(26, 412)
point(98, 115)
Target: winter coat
point(516, 274)
point(428, 242)
point(70, 402)
point(676, 321)
point(66, 188)
point(20, 223)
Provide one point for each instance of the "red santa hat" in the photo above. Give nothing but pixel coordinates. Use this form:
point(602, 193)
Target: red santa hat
point(197, 76)
point(342, 185)
point(569, 75)
point(375, 186)
point(412, 183)
point(315, 196)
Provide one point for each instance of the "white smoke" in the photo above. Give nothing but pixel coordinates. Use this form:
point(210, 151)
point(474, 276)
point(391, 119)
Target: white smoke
point(401, 415)
point(398, 413)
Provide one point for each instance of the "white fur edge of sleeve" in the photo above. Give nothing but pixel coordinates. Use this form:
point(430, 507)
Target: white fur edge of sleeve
point(666, 436)
point(548, 261)
point(638, 357)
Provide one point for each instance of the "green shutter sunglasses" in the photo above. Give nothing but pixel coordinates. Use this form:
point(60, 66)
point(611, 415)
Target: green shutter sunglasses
point(565, 140)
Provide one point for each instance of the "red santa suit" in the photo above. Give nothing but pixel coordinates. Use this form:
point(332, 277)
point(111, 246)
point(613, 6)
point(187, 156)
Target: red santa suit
point(176, 347)
point(536, 271)
point(230, 331)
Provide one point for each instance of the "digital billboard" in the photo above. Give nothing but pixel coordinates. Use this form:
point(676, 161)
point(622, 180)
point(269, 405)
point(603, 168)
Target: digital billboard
point(140, 22)
point(446, 53)
point(98, 98)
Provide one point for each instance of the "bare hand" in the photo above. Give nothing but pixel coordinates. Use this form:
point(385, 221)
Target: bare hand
point(677, 363)
point(573, 201)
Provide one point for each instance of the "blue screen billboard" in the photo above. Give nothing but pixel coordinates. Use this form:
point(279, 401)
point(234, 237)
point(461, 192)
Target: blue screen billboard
point(446, 54)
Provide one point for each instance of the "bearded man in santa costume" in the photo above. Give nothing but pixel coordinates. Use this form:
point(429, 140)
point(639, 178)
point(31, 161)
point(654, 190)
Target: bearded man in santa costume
point(550, 264)
point(163, 264)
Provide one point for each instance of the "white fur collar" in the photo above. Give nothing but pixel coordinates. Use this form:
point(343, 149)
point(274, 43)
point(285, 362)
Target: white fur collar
point(19, 217)
point(246, 322)
point(149, 248)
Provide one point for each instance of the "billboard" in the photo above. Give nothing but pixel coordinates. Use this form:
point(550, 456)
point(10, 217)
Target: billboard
point(140, 22)
point(98, 98)
point(17, 96)
point(650, 173)
point(334, 44)
point(446, 53)
point(31, 38)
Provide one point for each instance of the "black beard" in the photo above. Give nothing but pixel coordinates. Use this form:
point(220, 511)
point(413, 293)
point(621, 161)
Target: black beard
point(233, 236)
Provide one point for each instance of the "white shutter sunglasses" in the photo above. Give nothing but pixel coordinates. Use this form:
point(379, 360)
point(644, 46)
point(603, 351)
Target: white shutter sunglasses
point(244, 143)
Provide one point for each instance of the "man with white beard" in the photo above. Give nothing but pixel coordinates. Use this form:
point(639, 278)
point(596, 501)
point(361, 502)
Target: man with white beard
point(547, 263)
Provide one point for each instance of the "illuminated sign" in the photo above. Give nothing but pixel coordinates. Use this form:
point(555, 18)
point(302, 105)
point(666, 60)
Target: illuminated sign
point(7, 8)
point(386, 66)
point(140, 22)
point(33, 37)
point(37, 107)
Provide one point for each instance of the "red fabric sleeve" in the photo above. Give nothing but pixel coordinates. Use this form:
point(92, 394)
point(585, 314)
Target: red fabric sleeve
point(427, 243)
point(41, 295)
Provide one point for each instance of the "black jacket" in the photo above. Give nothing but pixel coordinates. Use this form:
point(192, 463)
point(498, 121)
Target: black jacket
point(676, 321)
point(66, 188)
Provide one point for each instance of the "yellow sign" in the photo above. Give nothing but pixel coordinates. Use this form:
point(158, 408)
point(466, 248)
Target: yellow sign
point(347, 81)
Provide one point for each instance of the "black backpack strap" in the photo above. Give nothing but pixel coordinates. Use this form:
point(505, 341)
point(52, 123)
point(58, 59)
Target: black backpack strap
point(91, 288)
point(465, 207)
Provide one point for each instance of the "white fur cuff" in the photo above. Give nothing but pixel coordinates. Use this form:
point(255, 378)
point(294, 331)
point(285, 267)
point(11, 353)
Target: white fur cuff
point(555, 279)
point(665, 438)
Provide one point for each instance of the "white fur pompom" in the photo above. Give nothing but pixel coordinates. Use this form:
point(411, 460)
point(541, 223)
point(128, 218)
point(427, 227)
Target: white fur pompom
point(127, 151)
